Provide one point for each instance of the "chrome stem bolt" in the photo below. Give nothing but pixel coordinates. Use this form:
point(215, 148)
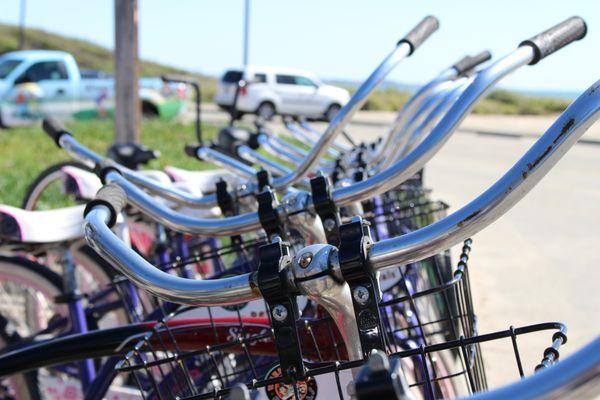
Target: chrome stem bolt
point(361, 294)
point(305, 259)
point(279, 313)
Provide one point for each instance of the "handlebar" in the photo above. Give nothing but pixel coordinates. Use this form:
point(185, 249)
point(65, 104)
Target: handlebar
point(222, 291)
point(412, 247)
point(65, 140)
point(228, 226)
point(468, 63)
point(500, 197)
point(556, 38)
point(404, 48)
point(420, 33)
point(415, 160)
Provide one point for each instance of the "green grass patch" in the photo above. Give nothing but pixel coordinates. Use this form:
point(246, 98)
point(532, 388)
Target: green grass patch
point(25, 152)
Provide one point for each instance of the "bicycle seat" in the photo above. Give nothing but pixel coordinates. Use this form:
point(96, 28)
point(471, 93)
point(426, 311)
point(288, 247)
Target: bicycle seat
point(51, 226)
point(132, 155)
point(205, 181)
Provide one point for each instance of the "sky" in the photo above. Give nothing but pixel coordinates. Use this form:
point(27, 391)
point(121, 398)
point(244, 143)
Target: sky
point(336, 39)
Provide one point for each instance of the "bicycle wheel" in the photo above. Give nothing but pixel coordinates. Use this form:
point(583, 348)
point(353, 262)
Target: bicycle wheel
point(45, 191)
point(27, 292)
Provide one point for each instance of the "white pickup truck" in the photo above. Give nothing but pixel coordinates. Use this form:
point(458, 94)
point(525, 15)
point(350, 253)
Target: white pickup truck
point(39, 83)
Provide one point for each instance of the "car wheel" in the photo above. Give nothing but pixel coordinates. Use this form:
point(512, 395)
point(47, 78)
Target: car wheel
point(149, 110)
point(266, 111)
point(331, 111)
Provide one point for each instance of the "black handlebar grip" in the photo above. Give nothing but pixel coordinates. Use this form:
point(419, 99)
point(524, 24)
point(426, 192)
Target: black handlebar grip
point(113, 197)
point(54, 129)
point(191, 150)
point(104, 166)
point(420, 33)
point(556, 38)
point(470, 62)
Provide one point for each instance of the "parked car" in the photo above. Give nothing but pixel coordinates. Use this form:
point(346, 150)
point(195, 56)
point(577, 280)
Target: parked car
point(39, 83)
point(282, 91)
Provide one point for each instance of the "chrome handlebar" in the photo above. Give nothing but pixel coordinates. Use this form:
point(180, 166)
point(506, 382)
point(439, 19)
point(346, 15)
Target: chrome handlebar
point(500, 197)
point(412, 247)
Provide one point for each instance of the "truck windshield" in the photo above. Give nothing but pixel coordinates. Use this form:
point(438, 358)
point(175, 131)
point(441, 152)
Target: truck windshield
point(7, 66)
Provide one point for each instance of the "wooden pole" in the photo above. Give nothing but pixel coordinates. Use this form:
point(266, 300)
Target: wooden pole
point(127, 102)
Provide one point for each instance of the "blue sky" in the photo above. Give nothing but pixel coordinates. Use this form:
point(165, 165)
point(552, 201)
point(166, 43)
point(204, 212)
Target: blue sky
point(337, 39)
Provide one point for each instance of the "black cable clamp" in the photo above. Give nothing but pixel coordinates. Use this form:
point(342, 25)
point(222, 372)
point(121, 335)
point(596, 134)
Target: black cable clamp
point(226, 203)
point(325, 207)
point(224, 199)
point(268, 214)
point(355, 239)
point(282, 305)
point(359, 175)
point(338, 171)
point(263, 177)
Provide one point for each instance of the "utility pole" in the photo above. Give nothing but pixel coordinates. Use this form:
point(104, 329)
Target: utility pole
point(246, 29)
point(22, 25)
point(127, 102)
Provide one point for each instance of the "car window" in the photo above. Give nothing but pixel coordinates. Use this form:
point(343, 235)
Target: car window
point(304, 81)
point(285, 79)
point(8, 66)
point(47, 70)
point(260, 78)
point(232, 76)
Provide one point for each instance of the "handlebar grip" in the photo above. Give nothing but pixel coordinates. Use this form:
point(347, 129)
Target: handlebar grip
point(470, 62)
point(104, 167)
point(420, 33)
point(111, 196)
point(191, 150)
point(55, 129)
point(556, 38)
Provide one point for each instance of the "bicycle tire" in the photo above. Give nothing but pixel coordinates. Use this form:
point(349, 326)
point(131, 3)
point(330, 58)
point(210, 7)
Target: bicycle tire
point(25, 386)
point(43, 180)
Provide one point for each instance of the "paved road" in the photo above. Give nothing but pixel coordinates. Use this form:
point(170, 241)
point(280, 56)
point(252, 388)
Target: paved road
point(540, 262)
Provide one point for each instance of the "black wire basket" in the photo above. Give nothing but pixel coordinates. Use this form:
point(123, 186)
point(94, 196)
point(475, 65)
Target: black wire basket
point(202, 352)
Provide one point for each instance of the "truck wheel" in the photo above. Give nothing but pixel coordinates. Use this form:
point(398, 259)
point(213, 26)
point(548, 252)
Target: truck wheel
point(149, 110)
point(266, 110)
point(331, 111)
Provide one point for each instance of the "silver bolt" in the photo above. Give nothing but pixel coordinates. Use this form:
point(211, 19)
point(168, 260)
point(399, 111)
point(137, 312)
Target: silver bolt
point(329, 224)
point(361, 294)
point(305, 259)
point(279, 313)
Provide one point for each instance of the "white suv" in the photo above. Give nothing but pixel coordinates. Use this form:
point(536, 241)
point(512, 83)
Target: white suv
point(280, 91)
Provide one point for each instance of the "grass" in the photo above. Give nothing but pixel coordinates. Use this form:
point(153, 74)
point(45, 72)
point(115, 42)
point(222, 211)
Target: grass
point(510, 103)
point(498, 102)
point(25, 152)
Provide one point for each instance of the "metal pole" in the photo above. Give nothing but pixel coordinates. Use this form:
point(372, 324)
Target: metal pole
point(22, 25)
point(246, 29)
point(127, 102)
